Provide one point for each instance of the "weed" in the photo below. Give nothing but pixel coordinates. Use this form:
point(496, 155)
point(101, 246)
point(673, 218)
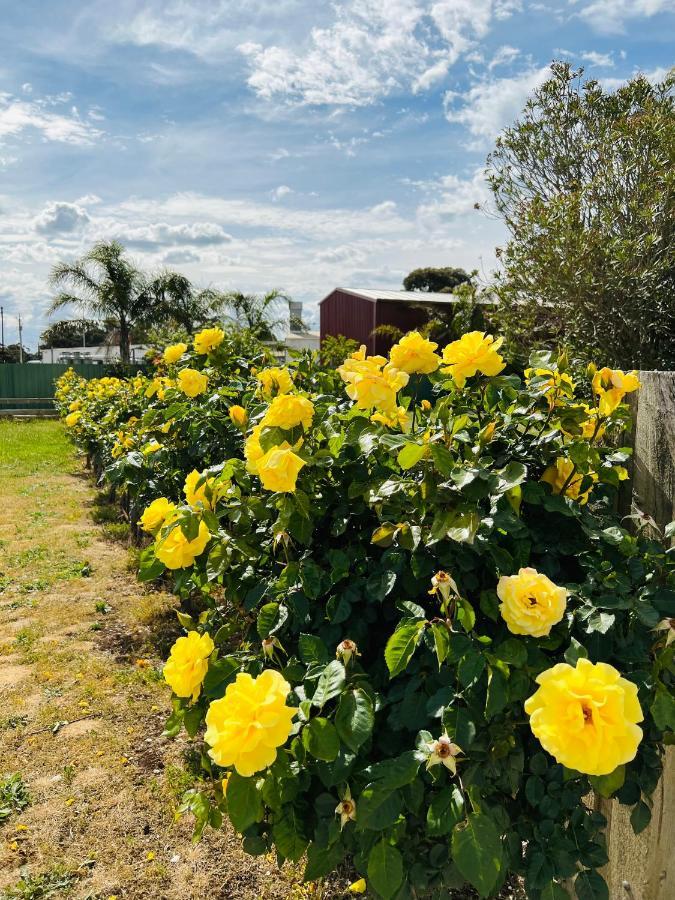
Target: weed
point(25, 638)
point(13, 722)
point(40, 887)
point(117, 531)
point(13, 795)
point(69, 772)
point(102, 607)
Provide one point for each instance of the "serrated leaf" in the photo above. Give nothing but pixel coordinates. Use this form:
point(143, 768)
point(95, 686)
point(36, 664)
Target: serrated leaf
point(401, 646)
point(330, 683)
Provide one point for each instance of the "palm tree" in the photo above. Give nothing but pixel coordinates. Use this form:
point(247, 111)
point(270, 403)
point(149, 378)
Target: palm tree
point(174, 297)
point(259, 313)
point(105, 285)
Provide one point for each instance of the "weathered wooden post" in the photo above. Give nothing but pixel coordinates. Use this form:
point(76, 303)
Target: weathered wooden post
point(642, 867)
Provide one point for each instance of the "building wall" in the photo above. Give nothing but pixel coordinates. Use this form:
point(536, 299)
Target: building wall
point(353, 317)
point(401, 316)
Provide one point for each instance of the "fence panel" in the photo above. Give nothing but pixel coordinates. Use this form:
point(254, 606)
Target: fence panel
point(32, 385)
point(642, 867)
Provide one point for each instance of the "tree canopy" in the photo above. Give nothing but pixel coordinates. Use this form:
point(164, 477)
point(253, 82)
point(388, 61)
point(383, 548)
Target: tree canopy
point(435, 280)
point(584, 182)
point(73, 333)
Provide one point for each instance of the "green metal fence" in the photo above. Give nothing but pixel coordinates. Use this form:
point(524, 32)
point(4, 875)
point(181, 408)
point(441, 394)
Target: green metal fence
point(31, 386)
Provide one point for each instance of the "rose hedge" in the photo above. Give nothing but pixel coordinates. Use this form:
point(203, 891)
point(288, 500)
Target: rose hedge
point(423, 631)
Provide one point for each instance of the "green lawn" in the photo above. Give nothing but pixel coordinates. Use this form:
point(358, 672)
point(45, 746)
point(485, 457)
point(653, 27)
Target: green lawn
point(34, 445)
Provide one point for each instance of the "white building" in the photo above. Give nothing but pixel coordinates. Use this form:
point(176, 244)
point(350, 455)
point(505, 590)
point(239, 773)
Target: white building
point(103, 353)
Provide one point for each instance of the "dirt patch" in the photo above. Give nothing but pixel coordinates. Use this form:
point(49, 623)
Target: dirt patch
point(12, 676)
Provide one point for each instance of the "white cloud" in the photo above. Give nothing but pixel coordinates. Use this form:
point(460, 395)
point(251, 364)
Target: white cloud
point(492, 103)
point(505, 55)
point(280, 192)
point(161, 233)
point(597, 60)
point(60, 217)
point(45, 117)
point(611, 16)
point(178, 257)
point(372, 49)
point(653, 76)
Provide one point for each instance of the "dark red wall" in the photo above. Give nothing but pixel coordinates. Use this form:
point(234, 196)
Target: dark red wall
point(396, 313)
point(351, 316)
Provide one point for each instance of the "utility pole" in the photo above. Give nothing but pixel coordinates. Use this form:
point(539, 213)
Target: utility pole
point(20, 342)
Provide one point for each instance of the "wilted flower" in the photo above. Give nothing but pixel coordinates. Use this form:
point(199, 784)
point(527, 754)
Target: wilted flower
point(345, 650)
point(667, 625)
point(443, 752)
point(346, 808)
point(445, 586)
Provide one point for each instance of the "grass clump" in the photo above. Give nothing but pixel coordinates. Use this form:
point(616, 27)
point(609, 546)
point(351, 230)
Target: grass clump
point(14, 795)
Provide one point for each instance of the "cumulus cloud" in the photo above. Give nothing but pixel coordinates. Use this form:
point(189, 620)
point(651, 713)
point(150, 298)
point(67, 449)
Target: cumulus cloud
point(159, 233)
point(61, 217)
point(612, 16)
point(372, 49)
point(492, 103)
point(47, 117)
point(177, 257)
point(280, 192)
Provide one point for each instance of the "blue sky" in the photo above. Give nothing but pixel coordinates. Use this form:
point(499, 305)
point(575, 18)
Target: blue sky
point(295, 144)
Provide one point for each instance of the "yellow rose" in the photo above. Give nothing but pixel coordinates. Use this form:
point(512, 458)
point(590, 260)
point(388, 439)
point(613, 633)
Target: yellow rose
point(531, 603)
point(401, 418)
point(415, 354)
point(611, 386)
point(288, 411)
point(188, 663)
point(252, 450)
point(557, 476)
point(155, 515)
point(473, 352)
point(278, 469)
point(151, 447)
point(555, 384)
point(274, 381)
point(191, 382)
point(238, 416)
point(359, 363)
point(208, 339)
point(375, 389)
point(176, 551)
point(245, 727)
point(73, 418)
point(75, 405)
point(173, 353)
point(205, 494)
point(586, 717)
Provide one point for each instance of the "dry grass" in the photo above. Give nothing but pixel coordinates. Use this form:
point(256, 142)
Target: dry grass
point(82, 707)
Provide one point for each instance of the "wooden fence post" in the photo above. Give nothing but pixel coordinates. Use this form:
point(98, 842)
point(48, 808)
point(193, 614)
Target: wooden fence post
point(642, 867)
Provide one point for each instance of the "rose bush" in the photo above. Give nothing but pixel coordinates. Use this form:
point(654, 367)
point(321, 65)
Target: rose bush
point(432, 633)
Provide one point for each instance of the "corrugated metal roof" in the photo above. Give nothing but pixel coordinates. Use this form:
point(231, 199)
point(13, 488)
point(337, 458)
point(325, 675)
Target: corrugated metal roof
point(374, 295)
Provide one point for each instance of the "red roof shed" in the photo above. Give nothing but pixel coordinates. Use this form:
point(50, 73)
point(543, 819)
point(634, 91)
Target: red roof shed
point(356, 313)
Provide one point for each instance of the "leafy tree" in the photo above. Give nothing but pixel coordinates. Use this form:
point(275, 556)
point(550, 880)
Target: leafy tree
point(443, 280)
point(335, 349)
point(175, 299)
point(261, 314)
point(70, 333)
point(584, 182)
point(11, 353)
point(105, 284)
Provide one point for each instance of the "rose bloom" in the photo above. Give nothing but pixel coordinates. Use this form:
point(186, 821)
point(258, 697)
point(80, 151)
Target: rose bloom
point(245, 727)
point(473, 352)
point(207, 493)
point(531, 603)
point(275, 381)
point(252, 449)
point(557, 474)
point(191, 382)
point(586, 717)
point(278, 469)
point(238, 416)
point(176, 551)
point(359, 363)
point(173, 353)
point(73, 418)
point(557, 384)
point(401, 418)
point(377, 389)
point(208, 339)
point(415, 354)
point(187, 664)
point(288, 411)
point(611, 386)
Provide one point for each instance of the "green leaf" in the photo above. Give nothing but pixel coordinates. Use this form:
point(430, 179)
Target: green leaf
point(330, 684)
point(470, 667)
point(377, 808)
point(149, 566)
point(411, 454)
point(244, 802)
point(320, 738)
point(590, 885)
point(606, 785)
point(497, 693)
point(445, 811)
point(321, 861)
point(401, 646)
point(441, 641)
point(355, 718)
point(267, 619)
point(312, 649)
point(396, 772)
point(663, 709)
point(513, 652)
point(554, 891)
point(640, 817)
point(193, 719)
point(385, 869)
point(477, 852)
point(288, 832)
